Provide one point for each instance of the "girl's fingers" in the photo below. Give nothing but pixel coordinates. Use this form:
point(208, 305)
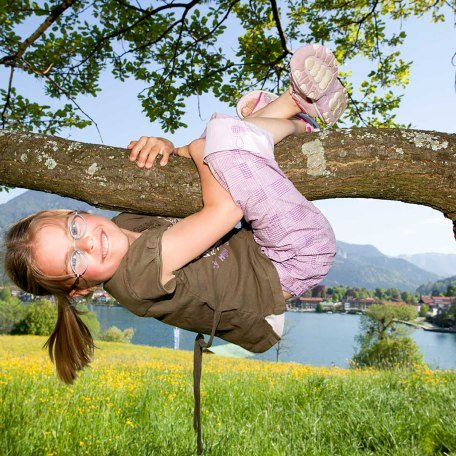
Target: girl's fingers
point(145, 151)
point(150, 159)
point(147, 155)
point(165, 157)
point(137, 147)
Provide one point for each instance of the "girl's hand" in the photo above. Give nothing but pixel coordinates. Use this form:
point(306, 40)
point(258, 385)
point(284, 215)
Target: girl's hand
point(147, 148)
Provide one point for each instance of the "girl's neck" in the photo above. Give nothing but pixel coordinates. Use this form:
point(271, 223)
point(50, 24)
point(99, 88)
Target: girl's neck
point(131, 235)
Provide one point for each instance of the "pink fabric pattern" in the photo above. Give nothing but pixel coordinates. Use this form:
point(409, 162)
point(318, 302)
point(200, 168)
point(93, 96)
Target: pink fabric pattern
point(291, 231)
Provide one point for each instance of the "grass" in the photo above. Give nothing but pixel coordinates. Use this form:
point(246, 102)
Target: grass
point(138, 400)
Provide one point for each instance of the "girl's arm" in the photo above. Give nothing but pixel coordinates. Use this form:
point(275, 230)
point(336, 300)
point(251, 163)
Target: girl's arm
point(193, 235)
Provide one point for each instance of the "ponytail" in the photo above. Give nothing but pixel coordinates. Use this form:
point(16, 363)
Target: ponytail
point(70, 344)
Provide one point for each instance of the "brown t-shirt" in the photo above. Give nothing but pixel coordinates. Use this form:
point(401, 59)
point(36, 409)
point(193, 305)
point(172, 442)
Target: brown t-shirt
point(233, 279)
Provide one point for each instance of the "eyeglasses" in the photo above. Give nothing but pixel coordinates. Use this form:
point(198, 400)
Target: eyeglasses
point(77, 226)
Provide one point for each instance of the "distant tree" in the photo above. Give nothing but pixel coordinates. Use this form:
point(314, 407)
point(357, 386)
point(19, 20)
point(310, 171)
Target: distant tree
point(336, 293)
point(319, 291)
point(383, 341)
point(393, 294)
point(446, 318)
point(40, 319)
point(89, 318)
point(390, 354)
point(435, 292)
point(12, 311)
point(424, 310)
point(5, 293)
point(451, 290)
point(114, 334)
point(379, 293)
point(41, 316)
point(406, 297)
point(441, 286)
point(282, 346)
point(319, 308)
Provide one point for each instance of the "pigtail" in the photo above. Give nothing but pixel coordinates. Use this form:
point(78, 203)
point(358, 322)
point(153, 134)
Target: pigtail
point(70, 345)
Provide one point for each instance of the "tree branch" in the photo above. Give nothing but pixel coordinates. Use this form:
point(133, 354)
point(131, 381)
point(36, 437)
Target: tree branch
point(203, 37)
point(8, 97)
point(46, 75)
point(391, 164)
point(283, 40)
point(55, 14)
point(134, 24)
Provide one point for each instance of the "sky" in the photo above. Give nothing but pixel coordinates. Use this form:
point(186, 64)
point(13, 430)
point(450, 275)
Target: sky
point(429, 103)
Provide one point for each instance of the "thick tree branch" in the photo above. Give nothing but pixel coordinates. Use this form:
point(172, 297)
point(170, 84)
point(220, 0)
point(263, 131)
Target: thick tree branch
point(392, 164)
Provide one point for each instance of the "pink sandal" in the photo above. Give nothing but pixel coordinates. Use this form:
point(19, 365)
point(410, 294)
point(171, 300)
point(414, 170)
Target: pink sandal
point(314, 83)
point(261, 98)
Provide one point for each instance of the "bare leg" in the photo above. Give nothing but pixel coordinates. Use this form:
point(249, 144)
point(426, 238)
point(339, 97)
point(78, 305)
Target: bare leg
point(279, 128)
point(275, 118)
point(283, 107)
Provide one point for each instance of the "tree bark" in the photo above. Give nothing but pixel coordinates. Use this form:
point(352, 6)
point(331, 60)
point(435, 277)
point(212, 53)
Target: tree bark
point(405, 165)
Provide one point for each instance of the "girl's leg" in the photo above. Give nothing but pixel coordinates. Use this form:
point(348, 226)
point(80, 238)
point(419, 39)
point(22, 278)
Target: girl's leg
point(278, 128)
point(291, 231)
point(276, 118)
point(314, 86)
point(284, 107)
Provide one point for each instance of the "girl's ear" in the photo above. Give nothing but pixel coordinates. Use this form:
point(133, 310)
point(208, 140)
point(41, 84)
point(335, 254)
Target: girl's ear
point(82, 292)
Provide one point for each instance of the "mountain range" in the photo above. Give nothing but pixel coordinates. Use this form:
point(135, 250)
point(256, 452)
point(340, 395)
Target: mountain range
point(355, 265)
point(365, 266)
point(442, 264)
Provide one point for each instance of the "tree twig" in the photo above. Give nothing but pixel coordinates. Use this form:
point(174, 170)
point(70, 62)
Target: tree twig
point(60, 89)
point(55, 14)
point(8, 97)
point(283, 40)
point(134, 24)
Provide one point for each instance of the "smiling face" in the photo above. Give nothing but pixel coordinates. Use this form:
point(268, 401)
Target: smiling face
point(103, 244)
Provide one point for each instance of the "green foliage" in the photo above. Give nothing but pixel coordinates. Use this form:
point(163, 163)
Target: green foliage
point(339, 293)
point(40, 319)
point(383, 342)
point(114, 334)
point(451, 290)
point(319, 308)
point(89, 318)
point(445, 318)
point(439, 287)
point(176, 52)
point(390, 354)
point(136, 401)
point(424, 310)
point(12, 311)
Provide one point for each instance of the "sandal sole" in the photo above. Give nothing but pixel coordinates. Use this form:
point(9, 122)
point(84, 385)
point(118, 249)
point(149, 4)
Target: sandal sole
point(313, 79)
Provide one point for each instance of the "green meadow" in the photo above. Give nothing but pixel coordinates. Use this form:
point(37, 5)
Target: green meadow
point(138, 400)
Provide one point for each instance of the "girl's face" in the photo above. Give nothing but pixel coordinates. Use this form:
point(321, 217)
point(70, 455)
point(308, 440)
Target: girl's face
point(104, 245)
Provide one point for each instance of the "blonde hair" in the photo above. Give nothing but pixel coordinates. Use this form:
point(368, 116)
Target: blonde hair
point(70, 345)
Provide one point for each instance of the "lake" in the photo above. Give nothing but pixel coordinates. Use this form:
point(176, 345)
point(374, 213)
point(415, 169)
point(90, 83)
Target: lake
point(313, 338)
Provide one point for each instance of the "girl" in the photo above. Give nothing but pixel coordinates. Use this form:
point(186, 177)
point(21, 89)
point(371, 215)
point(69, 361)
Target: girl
point(158, 269)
